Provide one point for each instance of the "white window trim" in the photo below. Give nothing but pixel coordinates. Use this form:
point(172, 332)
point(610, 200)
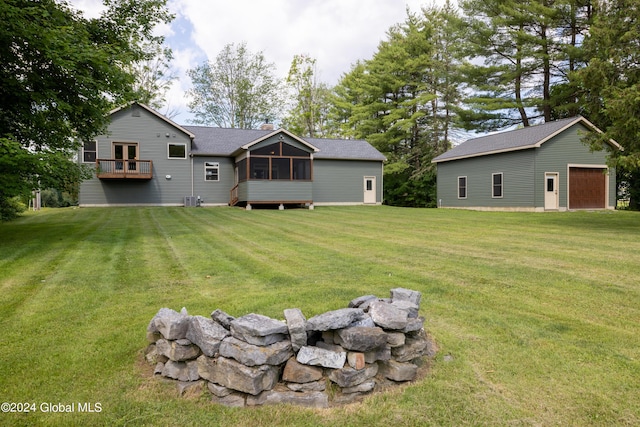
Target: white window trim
point(466, 187)
point(215, 165)
point(493, 196)
point(96, 141)
point(177, 143)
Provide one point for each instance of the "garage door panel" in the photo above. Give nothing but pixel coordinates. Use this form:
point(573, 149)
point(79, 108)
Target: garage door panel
point(587, 188)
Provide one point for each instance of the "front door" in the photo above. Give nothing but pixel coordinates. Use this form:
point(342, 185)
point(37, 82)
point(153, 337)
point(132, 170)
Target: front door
point(551, 191)
point(370, 189)
point(128, 153)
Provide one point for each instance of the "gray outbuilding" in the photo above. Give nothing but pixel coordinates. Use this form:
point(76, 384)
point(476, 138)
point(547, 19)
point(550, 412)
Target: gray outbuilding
point(539, 168)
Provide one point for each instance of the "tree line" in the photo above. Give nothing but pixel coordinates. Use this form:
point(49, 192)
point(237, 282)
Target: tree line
point(443, 72)
point(447, 71)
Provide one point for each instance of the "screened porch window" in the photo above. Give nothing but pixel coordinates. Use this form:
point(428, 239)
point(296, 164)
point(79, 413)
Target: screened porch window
point(277, 161)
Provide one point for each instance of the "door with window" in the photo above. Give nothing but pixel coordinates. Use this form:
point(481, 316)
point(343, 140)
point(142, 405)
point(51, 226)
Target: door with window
point(551, 197)
point(125, 155)
point(370, 189)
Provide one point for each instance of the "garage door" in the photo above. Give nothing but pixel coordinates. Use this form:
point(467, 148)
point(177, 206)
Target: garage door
point(587, 188)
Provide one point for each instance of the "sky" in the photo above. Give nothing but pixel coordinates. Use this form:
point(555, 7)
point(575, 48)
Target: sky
point(337, 33)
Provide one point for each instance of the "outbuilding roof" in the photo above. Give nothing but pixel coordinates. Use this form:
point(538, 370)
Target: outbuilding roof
point(519, 139)
point(213, 141)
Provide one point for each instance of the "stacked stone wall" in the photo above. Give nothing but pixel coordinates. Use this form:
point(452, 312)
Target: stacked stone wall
point(332, 358)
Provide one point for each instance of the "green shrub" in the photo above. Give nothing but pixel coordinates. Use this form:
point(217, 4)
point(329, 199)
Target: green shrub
point(10, 208)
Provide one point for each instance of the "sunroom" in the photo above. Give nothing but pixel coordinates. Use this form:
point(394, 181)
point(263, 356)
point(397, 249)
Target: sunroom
point(274, 170)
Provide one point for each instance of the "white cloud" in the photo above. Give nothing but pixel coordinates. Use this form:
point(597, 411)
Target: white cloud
point(336, 33)
point(90, 8)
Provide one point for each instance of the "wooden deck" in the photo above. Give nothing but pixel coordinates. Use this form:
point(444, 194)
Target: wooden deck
point(124, 169)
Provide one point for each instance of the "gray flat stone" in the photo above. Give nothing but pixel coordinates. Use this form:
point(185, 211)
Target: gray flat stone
point(361, 338)
point(336, 319)
point(206, 334)
point(171, 324)
point(247, 379)
point(233, 400)
point(296, 323)
point(313, 399)
point(364, 387)
point(218, 390)
point(381, 353)
point(402, 294)
point(395, 339)
point(411, 308)
point(349, 377)
point(357, 302)
point(222, 318)
point(414, 347)
point(414, 325)
point(398, 371)
point(319, 385)
point(181, 371)
point(387, 316)
point(320, 357)
point(177, 351)
point(258, 325)
point(253, 355)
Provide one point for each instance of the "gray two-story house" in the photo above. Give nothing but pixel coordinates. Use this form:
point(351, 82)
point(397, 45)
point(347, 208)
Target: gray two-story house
point(539, 168)
point(145, 159)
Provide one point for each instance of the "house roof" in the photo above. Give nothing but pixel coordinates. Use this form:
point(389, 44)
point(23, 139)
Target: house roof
point(213, 141)
point(519, 139)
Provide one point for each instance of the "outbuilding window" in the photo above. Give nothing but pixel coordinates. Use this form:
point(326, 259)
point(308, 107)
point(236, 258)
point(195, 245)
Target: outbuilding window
point(496, 185)
point(462, 187)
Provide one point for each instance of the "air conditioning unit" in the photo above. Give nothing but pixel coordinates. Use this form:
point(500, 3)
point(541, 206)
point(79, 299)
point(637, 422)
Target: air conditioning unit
point(190, 201)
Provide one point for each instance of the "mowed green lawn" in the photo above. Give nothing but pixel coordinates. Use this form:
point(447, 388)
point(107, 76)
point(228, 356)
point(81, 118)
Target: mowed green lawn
point(537, 316)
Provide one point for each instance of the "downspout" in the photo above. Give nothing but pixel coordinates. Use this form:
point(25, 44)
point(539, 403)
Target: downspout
point(382, 182)
point(191, 164)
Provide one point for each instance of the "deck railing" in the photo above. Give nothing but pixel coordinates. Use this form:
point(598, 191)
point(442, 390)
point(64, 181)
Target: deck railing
point(234, 196)
point(124, 169)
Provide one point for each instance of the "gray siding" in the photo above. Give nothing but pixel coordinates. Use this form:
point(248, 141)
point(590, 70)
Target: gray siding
point(517, 174)
point(561, 151)
point(150, 132)
point(342, 182)
point(213, 192)
point(276, 191)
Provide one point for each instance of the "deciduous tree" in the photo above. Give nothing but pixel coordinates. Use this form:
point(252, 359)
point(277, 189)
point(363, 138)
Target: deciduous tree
point(238, 90)
point(60, 74)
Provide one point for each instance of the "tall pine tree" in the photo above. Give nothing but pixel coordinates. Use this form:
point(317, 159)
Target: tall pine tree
point(403, 100)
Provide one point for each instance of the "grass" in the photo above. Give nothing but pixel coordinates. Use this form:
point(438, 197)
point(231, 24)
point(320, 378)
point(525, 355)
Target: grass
point(536, 315)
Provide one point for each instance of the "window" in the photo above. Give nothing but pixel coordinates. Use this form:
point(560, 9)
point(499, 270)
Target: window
point(89, 152)
point(280, 168)
point(211, 171)
point(177, 151)
point(259, 168)
point(279, 161)
point(302, 169)
point(462, 187)
point(496, 185)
